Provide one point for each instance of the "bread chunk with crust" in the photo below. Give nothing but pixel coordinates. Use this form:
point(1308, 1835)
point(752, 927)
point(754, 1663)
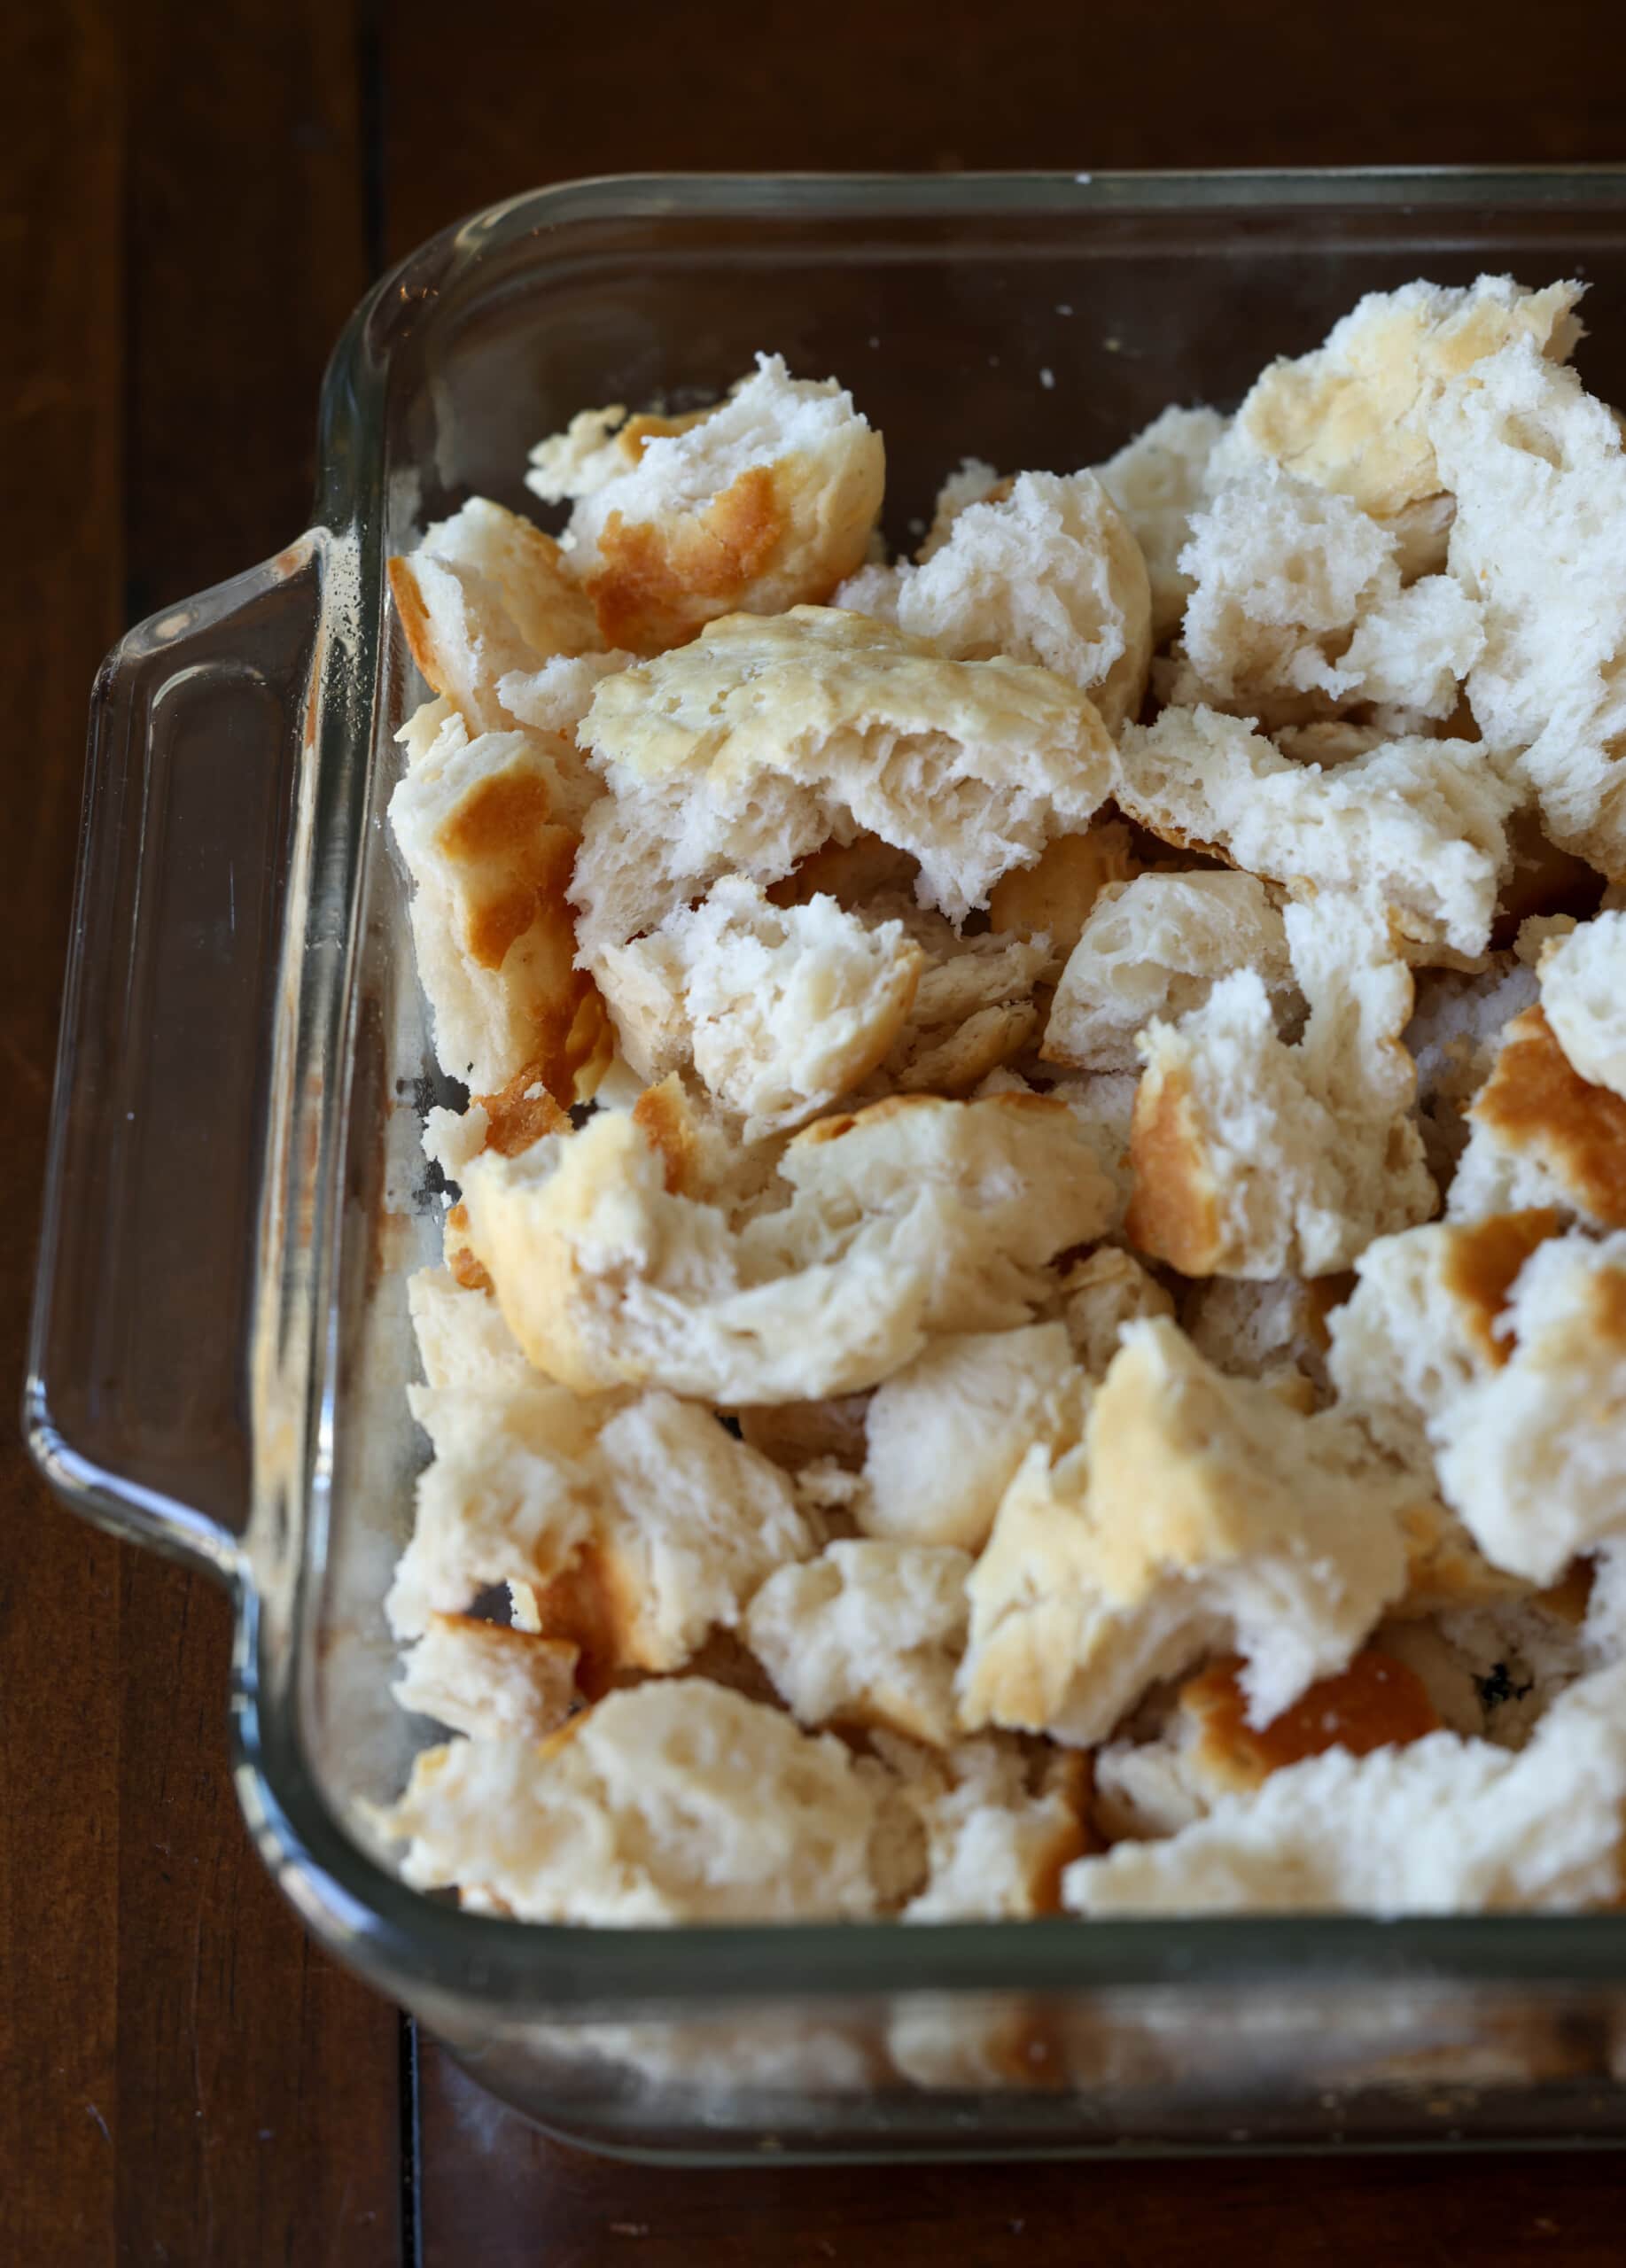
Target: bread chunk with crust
point(867, 1635)
point(912, 1217)
point(677, 1801)
point(763, 503)
point(1200, 1511)
point(765, 740)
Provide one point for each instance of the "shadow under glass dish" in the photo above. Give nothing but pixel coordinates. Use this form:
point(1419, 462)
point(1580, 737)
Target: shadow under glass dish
point(236, 1191)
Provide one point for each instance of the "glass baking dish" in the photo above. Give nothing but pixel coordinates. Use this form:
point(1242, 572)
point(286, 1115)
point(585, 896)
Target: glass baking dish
point(237, 1194)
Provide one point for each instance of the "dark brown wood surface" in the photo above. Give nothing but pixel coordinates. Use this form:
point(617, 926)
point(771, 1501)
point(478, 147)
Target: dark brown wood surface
point(190, 198)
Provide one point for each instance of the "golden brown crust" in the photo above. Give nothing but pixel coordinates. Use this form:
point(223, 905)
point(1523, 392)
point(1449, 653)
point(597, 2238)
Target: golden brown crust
point(1174, 1206)
point(1056, 895)
point(518, 1115)
point(662, 1116)
point(659, 581)
point(459, 1258)
point(415, 623)
point(1535, 1102)
point(1376, 1703)
point(1480, 1266)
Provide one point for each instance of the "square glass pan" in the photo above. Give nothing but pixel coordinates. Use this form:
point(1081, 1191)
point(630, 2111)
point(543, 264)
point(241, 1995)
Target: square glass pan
point(237, 1191)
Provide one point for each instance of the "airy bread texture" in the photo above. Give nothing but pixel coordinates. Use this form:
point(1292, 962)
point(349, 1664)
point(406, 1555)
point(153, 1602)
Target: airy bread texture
point(866, 1635)
point(1500, 1348)
point(763, 504)
point(485, 594)
point(1355, 415)
point(1539, 1134)
point(634, 1531)
point(1049, 574)
point(1000, 1824)
point(781, 1011)
point(763, 739)
point(1416, 827)
point(678, 1801)
point(461, 1338)
point(945, 1433)
point(491, 922)
point(1440, 1825)
point(488, 1680)
point(914, 1217)
point(1296, 607)
point(1200, 1511)
point(1538, 469)
point(1158, 481)
point(1254, 1158)
point(1206, 1748)
point(1583, 997)
point(1155, 947)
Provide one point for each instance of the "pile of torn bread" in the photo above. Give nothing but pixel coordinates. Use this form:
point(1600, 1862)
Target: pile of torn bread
point(1080, 1360)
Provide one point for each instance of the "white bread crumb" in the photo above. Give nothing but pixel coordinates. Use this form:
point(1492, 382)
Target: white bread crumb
point(1416, 826)
point(1049, 574)
point(998, 1824)
point(763, 739)
point(915, 1216)
point(867, 1635)
point(945, 1432)
point(1583, 993)
point(1539, 540)
point(488, 1680)
point(1154, 947)
point(1158, 481)
point(1438, 1826)
point(1280, 1533)
point(781, 1011)
point(678, 1801)
point(1253, 1158)
point(461, 1338)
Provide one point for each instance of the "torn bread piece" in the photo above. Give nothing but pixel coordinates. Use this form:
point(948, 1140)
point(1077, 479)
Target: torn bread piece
point(1417, 826)
point(973, 1010)
point(1100, 1294)
point(1055, 897)
point(1155, 947)
point(1496, 1349)
point(461, 1338)
point(678, 1801)
point(766, 502)
point(912, 1217)
point(488, 1680)
point(1539, 474)
point(1583, 997)
point(551, 702)
point(945, 1433)
point(1253, 1158)
point(1049, 574)
point(1205, 1747)
point(1297, 608)
point(765, 740)
point(491, 922)
point(974, 482)
point(486, 592)
point(633, 1531)
point(999, 1820)
point(1439, 1825)
point(1540, 1134)
point(1158, 481)
point(866, 1635)
point(598, 446)
point(1200, 1511)
point(1355, 415)
point(781, 1011)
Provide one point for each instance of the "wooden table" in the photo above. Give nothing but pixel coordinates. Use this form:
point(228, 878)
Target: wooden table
point(191, 200)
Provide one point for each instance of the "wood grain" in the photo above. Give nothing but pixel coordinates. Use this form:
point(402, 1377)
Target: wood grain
point(183, 2077)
